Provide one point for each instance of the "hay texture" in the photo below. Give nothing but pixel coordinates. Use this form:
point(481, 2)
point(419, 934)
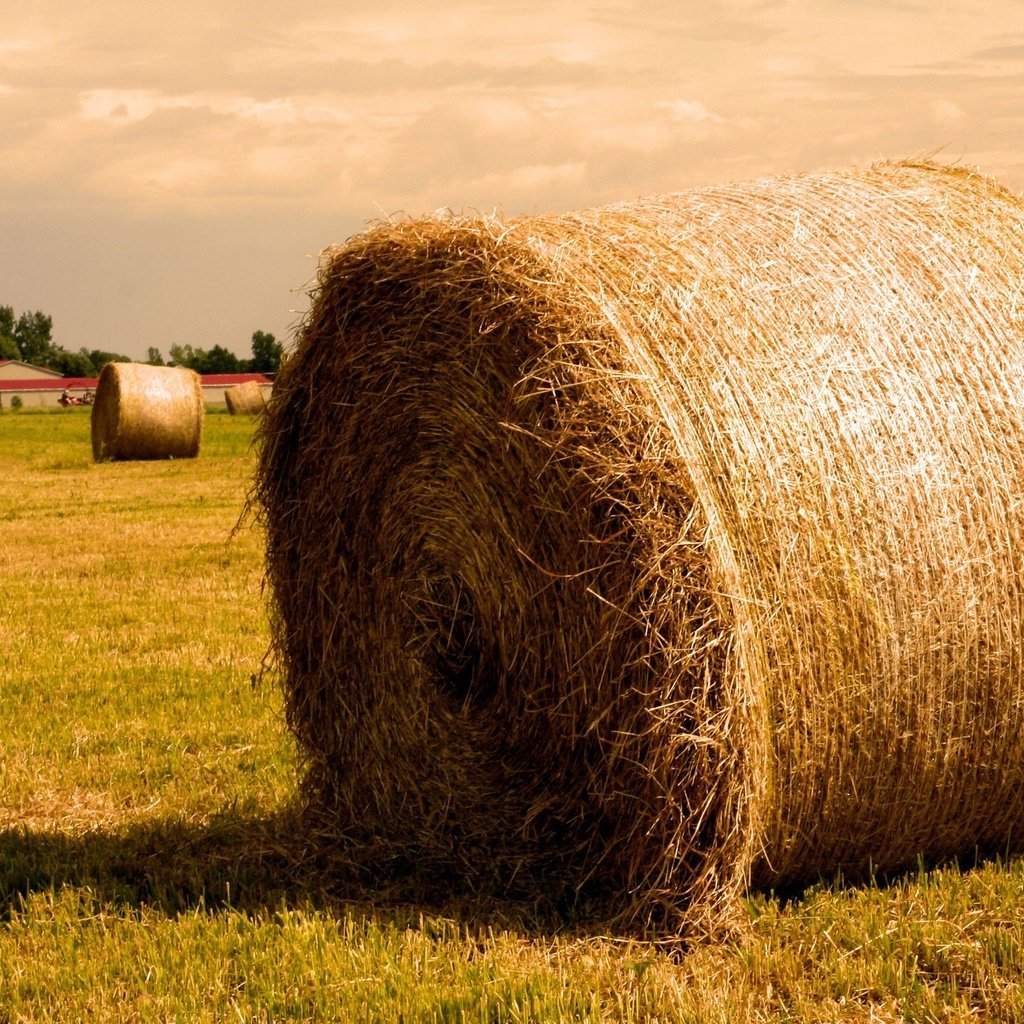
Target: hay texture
point(664, 549)
point(245, 399)
point(147, 412)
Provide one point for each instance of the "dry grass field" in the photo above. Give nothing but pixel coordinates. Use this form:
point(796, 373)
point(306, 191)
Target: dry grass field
point(152, 869)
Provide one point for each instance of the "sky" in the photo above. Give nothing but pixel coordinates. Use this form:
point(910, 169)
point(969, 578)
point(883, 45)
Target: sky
point(171, 170)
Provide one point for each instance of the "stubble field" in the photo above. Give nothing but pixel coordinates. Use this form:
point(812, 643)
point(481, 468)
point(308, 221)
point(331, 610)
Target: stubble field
point(152, 867)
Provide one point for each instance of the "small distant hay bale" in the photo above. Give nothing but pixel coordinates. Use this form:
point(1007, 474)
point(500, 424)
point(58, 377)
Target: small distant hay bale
point(147, 412)
point(663, 549)
point(245, 399)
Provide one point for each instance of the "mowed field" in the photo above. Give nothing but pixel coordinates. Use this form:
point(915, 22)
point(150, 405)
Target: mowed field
point(152, 867)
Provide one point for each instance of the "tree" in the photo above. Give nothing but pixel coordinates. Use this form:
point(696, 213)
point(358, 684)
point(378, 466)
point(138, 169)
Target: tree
point(30, 338)
point(217, 360)
point(182, 355)
point(72, 364)
point(8, 346)
point(33, 332)
point(100, 358)
point(154, 358)
point(221, 360)
point(267, 353)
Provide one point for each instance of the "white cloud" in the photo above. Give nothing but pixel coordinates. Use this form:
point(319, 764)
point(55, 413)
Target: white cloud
point(15, 45)
point(539, 176)
point(688, 110)
point(126, 105)
point(276, 162)
point(945, 113)
point(502, 112)
point(132, 105)
point(187, 174)
point(418, 35)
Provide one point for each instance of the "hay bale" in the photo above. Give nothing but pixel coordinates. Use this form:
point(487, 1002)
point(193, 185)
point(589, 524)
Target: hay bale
point(245, 399)
point(662, 549)
point(147, 412)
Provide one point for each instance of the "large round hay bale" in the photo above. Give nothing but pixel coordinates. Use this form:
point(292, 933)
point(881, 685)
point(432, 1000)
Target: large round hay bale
point(665, 548)
point(245, 399)
point(147, 412)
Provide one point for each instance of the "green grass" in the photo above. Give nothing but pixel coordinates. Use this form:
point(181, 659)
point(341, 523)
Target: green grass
point(152, 869)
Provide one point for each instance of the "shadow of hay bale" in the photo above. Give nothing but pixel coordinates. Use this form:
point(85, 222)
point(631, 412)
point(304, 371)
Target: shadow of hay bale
point(251, 864)
point(169, 864)
point(666, 548)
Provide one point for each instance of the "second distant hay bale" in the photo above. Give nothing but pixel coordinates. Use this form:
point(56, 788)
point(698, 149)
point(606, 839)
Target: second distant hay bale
point(147, 412)
point(245, 399)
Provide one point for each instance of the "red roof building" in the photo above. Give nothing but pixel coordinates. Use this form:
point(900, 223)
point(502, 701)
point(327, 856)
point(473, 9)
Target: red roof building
point(44, 388)
point(57, 384)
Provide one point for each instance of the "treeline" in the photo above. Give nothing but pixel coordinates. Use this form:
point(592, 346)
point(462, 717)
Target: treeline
point(29, 337)
point(267, 353)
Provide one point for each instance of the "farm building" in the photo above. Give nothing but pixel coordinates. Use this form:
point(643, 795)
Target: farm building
point(15, 369)
point(39, 386)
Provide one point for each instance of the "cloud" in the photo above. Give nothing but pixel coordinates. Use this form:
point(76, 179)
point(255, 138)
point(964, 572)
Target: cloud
point(1012, 53)
point(688, 110)
point(481, 32)
point(398, 104)
point(126, 106)
point(187, 174)
point(209, 113)
point(12, 46)
point(946, 113)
